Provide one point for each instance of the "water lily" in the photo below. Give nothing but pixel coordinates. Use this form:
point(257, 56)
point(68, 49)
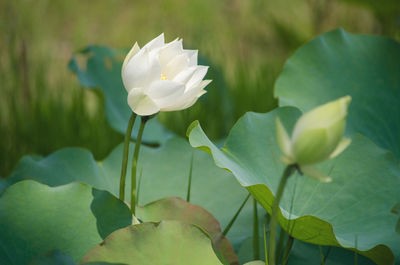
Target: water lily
point(162, 77)
point(317, 136)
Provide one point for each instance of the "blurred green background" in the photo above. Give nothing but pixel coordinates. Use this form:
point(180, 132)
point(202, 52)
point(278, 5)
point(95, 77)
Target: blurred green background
point(43, 108)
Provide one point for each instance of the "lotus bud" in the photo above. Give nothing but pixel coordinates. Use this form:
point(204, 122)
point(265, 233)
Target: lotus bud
point(317, 136)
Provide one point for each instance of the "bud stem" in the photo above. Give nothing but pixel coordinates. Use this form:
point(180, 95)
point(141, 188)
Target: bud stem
point(256, 236)
point(289, 170)
point(289, 245)
point(125, 157)
point(143, 121)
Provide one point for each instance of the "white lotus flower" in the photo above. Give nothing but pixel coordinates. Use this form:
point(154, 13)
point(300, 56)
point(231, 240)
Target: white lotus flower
point(162, 77)
point(317, 136)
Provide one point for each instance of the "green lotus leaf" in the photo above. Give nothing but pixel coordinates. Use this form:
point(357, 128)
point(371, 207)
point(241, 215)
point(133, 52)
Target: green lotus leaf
point(353, 211)
point(35, 218)
point(164, 173)
point(174, 208)
point(56, 257)
point(167, 242)
point(338, 63)
point(396, 210)
point(306, 254)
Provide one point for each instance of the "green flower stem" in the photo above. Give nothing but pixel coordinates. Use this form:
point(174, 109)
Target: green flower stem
point(289, 245)
point(280, 245)
point(265, 247)
point(139, 185)
point(125, 157)
point(228, 227)
point(321, 255)
point(143, 121)
point(274, 213)
point(190, 180)
point(256, 235)
point(327, 254)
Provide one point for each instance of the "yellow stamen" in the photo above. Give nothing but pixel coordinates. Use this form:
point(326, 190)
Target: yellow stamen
point(163, 77)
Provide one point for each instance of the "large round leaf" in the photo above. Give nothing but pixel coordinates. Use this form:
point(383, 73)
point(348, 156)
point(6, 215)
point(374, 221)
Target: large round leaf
point(396, 210)
point(353, 211)
point(174, 208)
point(53, 257)
point(167, 242)
point(305, 254)
point(56, 257)
point(339, 63)
point(164, 172)
point(35, 218)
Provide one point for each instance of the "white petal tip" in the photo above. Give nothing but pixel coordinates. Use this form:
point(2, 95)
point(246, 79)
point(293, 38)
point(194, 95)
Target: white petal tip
point(283, 138)
point(315, 174)
point(343, 144)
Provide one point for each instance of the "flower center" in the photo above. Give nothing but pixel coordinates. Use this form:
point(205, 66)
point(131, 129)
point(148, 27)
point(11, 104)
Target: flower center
point(163, 77)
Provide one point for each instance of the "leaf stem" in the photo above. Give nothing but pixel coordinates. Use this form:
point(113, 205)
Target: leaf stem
point(190, 180)
point(265, 247)
point(321, 255)
point(143, 121)
point(138, 187)
point(256, 235)
point(279, 250)
point(274, 212)
point(125, 156)
point(286, 253)
point(228, 227)
point(327, 254)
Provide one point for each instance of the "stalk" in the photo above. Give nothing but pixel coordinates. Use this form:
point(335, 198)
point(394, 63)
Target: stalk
point(143, 121)
point(265, 247)
point(281, 240)
point(190, 180)
point(228, 227)
point(125, 157)
point(274, 213)
point(289, 245)
point(256, 235)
